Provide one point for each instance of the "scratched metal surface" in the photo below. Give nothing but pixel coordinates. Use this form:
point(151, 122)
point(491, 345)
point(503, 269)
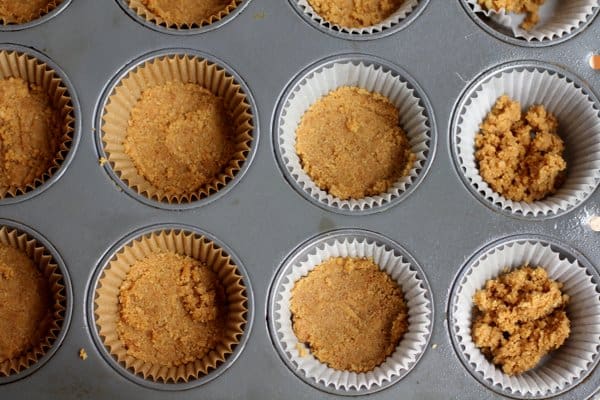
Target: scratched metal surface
point(262, 218)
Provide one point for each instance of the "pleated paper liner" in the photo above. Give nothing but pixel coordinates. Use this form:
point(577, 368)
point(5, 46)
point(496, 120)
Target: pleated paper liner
point(564, 367)
point(557, 18)
point(415, 121)
point(185, 243)
point(14, 64)
point(158, 71)
point(390, 22)
point(579, 127)
point(43, 11)
point(141, 10)
point(416, 295)
point(46, 264)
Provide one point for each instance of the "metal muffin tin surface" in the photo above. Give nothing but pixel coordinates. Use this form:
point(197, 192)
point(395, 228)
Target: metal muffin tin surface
point(84, 213)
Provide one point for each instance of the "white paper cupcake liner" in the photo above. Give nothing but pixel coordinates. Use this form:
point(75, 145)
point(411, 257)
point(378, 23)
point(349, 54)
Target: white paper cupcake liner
point(564, 367)
point(415, 120)
point(557, 18)
point(400, 14)
point(413, 343)
point(579, 126)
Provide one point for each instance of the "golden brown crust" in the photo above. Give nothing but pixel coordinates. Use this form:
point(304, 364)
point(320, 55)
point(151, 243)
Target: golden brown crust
point(180, 137)
point(172, 310)
point(186, 12)
point(355, 13)
point(351, 145)
point(528, 7)
point(350, 313)
point(520, 155)
point(26, 304)
point(30, 133)
point(22, 11)
point(520, 318)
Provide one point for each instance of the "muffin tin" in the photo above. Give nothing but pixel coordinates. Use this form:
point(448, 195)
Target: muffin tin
point(263, 219)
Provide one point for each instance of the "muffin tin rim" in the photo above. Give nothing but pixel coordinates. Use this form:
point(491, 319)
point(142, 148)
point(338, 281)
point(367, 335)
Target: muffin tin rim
point(279, 274)
point(403, 24)
point(565, 250)
point(353, 57)
point(467, 93)
point(30, 24)
point(130, 66)
point(522, 42)
point(181, 32)
point(44, 59)
point(92, 328)
point(62, 268)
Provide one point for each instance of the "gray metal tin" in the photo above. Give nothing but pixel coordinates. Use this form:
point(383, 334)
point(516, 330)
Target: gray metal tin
point(66, 280)
point(84, 213)
point(90, 297)
point(76, 128)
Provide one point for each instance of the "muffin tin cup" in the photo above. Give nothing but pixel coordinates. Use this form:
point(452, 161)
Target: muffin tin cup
point(183, 65)
point(565, 367)
point(392, 259)
point(565, 19)
point(48, 261)
point(559, 20)
point(577, 110)
point(103, 305)
point(35, 68)
point(374, 75)
point(403, 16)
point(139, 12)
point(53, 9)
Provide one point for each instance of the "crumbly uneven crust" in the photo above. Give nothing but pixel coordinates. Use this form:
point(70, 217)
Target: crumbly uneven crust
point(350, 313)
point(528, 7)
point(186, 12)
point(180, 137)
point(30, 133)
point(520, 155)
point(355, 13)
point(25, 304)
point(351, 145)
point(21, 11)
point(521, 317)
point(172, 310)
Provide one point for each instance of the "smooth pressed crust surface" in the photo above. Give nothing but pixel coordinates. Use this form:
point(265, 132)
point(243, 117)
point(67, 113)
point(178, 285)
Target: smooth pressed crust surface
point(186, 12)
point(351, 145)
point(30, 133)
point(180, 137)
point(520, 318)
point(172, 310)
point(25, 304)
point(355, 13)
point(520, 155)
point(350, 313)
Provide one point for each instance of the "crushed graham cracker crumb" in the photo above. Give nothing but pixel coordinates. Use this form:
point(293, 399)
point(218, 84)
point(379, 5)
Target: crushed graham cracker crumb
point(520, 317)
